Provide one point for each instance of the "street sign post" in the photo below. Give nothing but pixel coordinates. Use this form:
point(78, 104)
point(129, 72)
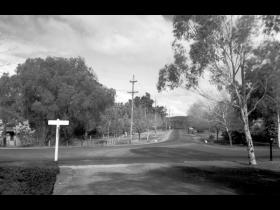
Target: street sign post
point(58, 123)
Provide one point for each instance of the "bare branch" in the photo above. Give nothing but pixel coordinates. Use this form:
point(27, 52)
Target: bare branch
point(255, 106)
point(273, 99)
point(250, 91)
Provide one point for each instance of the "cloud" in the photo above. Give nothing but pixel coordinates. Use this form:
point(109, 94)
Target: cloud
point(115, 46)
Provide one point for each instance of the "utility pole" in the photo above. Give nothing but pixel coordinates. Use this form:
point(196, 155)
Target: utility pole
point(155, 115)
point(169, 118)
point(132, 97)
point(165, 119)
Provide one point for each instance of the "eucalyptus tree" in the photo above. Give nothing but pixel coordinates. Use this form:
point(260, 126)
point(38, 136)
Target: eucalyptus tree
point(271, 23)
point(140, 122)
point(221, 45)
point(226, 117)
point(266, 61)
point(10, 107)
point(64, 88)
point(198, 115)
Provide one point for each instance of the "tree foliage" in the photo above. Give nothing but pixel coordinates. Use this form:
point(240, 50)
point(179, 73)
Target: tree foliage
point(116, 119)
point(56, 87)
point(222, 45)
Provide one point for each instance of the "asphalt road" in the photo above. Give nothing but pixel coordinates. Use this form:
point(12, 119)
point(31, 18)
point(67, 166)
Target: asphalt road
point(180, 147)
point(180, 165)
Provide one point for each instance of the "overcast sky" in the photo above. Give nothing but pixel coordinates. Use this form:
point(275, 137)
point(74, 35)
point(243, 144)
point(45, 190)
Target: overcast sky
point(115, 46)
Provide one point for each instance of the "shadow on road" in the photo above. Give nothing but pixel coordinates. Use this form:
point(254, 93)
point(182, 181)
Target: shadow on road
point(171, 154)
point(190, 180)
point(243, 180)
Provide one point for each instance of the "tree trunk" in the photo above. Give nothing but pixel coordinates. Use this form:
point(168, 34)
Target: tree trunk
point(4, 135)
point(278, 130)
point(148, 134)
point(108, 132)
point(217, 132)
point(44, 134)
point(251, 152)
point(229, 136)
point(85, 137)
point(139, 134)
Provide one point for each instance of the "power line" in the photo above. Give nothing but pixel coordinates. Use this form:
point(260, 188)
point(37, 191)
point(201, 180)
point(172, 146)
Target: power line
point(132, 97)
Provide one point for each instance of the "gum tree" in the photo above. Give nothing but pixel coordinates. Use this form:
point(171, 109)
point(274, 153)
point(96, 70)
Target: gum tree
point(218, 44)
point(267, 61)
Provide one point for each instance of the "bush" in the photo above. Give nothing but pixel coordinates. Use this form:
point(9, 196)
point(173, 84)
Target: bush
point(211, 138)
point(22, 178)
point(237, 137)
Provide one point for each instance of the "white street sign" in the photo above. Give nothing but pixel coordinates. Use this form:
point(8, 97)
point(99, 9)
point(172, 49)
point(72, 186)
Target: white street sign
point(58, 123)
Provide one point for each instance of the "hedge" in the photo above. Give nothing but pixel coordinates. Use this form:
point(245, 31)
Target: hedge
point(27, 178)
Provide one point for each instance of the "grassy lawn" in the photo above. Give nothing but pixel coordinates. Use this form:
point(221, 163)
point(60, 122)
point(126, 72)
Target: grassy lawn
point(27, 178)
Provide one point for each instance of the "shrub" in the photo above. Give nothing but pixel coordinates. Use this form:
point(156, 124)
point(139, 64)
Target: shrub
point(237, 137)
point(211, 138)
point(20, 179)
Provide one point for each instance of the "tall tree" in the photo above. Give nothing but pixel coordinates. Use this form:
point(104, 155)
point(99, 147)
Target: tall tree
point(62, 88)
point(198, 115)
point(226, 117)
point(140, 123)
point(271, 23)
point(218, 43)
point(10, 109)
point(266, 63)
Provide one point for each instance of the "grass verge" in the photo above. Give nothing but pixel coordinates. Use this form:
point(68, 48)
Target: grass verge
point(27, 178)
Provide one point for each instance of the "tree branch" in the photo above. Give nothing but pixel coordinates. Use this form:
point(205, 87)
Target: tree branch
point(250, 91)
point(255, 106)
point(273, 99)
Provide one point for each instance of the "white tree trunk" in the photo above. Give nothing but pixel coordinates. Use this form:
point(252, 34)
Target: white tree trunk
point(251, 151)
point(229, 136)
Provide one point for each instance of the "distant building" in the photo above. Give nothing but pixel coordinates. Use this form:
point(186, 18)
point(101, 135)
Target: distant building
point(191, 130)
point(12, 138)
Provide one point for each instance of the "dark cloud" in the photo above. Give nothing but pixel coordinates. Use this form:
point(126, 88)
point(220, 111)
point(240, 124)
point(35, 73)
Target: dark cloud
point(28, 27)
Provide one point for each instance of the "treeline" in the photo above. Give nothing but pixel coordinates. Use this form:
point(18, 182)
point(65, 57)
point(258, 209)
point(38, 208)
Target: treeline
point(55, 87)
point(263, 99)
point(51, 88)
point(115, 121)
point(241, 55)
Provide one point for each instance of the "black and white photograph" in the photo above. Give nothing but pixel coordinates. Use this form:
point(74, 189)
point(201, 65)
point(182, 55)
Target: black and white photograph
point(139, 105)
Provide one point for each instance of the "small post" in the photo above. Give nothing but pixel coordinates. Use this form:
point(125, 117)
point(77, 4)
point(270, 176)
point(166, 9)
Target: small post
point(270, 145)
